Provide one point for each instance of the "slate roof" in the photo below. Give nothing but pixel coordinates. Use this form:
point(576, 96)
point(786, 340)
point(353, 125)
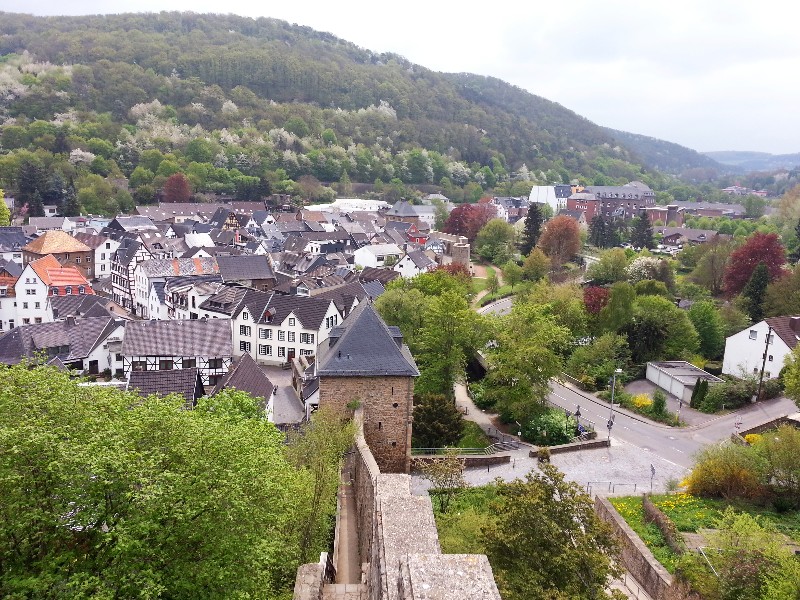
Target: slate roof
point(12, 268)
point(132, 223)
point(375, 274)
point(245, 267)
point(56, 242)
point(47, 222)
point(187, 383)
point(76, 337)
point(92, 240)
point(786, 328)
point(246, 376)
point(79, 306)
point(175, 267)
point(364, 346)
point(420, 259)
point(402, 208)
point(12, 238)
point(310, 311)
point(200, 337)
point(345, 296)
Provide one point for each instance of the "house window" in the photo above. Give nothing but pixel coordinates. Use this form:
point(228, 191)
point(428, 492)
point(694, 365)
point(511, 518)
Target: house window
point(306, 338)
point(770, 339)
point(81, 290)
point(139, 365)
point(165, 364)
point(37, 320)
point(37, 305)
point(88, 259)
point(291, 321)
point(244, 346)
point(30, 292)
point(770, 358)
point(281, 335)
point(78, 261)
point(24, 305)
point(753, 334)
point(291, 336)
point(281, 352)
point(264, 350)
point(244, 330)
point(245, 316)
point(306, 352)
point(68, 290)
point(189, 363)
point(214, 363)
point(264, 333)
point(214, 379)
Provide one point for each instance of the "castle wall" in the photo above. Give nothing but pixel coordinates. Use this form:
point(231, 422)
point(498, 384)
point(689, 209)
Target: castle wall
point(387, 404)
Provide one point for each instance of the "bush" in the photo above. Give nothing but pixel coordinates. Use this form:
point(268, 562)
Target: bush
point(659, 403)
point(642, 401)
point(550, 428)
point(732, 393)
point(479, 396)
point(752, 438)
point(727, 471)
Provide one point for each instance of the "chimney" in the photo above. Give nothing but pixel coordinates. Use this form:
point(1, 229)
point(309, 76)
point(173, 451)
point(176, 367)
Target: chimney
point(794, 323)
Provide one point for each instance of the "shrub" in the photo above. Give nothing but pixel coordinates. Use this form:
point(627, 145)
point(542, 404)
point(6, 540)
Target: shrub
point(479, 396)
point(752, 438)
point(727, 471)
point(642, 401)
point(659, 403)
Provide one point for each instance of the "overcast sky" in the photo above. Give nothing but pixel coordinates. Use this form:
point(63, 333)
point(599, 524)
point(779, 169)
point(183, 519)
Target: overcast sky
point(707, 75)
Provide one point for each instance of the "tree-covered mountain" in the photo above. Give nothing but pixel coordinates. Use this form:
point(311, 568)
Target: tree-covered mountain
point(756, 161)
point(666, 156)
point(251, 106)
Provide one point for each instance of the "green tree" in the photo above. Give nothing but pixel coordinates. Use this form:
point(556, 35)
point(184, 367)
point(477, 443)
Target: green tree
point(755, 291)
point(561, 239)
point(536, 265)
point(532, 229)
point(451, 332)
point(403, 308)
point(709, 325)
point(594, 364)
point(660, 331)
point(446, 474)
point(5, 214)
point(140, 497)
point(437, 421)
point(440, 213)
point(512, 273)
point(495, 241)
point(712, 264)
point(618, 312)
point(71, 207)
point(610, 268)
point(548, 542)
point(316, 450)
point(492, 283)
point(642, 232)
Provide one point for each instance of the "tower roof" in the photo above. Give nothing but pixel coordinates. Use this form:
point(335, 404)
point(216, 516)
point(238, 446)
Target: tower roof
point(364, 346)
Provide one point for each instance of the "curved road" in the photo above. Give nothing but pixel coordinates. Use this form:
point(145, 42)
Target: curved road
point(677, 445)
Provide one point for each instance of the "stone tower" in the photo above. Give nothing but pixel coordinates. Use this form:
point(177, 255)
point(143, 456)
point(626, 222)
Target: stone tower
point(365, 361)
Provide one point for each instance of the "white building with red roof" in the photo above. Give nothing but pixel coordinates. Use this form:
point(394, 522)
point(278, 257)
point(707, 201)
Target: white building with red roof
point(42, 278)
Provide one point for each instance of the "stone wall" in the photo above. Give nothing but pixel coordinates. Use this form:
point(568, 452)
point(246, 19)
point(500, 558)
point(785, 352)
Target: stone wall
point(469, 461)
point(793, 420)
point(573, 447)
point(636, 557)
point(387, 404)
point(398, 540)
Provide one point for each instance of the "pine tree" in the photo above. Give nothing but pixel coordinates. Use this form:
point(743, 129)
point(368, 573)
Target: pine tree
point(755, 290)
point(642, 234)
point(35, 206)
point(795, 255)
point(532, 230)
point(71, 207)
point(597, 231)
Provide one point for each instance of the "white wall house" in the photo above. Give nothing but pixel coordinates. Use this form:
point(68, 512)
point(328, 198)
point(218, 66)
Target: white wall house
point(289, 326)
point(375, 255)
point(744, 351)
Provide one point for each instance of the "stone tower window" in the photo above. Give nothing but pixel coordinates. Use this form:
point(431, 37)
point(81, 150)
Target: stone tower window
point(394, 405)
point(380, 425)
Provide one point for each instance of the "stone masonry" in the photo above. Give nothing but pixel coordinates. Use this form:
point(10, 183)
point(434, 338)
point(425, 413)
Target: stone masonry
point(387, 404)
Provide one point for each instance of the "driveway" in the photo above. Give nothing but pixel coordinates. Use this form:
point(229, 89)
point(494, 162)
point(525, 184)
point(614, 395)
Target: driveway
point(286, 406)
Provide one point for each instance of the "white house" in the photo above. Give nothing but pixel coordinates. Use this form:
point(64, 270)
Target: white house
point(376, 255)
point(414, 263)
point(43, 278)
point(745, 351)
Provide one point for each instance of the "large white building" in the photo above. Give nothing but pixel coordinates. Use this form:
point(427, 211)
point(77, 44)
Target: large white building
point(745, 351)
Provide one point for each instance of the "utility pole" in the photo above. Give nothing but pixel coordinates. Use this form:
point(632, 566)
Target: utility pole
point(763, 365)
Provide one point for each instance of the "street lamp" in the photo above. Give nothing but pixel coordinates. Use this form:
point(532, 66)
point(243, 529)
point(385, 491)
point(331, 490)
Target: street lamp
point(567, 415)
point(613, 390)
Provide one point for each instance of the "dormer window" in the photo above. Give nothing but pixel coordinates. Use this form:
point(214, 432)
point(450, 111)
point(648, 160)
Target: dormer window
point(68, 290)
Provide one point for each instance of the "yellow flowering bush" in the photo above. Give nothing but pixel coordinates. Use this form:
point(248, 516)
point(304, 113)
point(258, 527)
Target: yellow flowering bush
point(752, 438)
point(642, 401)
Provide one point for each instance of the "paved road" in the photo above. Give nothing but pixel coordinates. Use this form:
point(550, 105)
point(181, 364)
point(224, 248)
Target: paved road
point(677, 445)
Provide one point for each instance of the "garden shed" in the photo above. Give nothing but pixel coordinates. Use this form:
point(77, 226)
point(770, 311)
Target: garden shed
point(677, 377)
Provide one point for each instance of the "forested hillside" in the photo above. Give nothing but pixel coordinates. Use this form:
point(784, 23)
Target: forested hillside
point(107, 108)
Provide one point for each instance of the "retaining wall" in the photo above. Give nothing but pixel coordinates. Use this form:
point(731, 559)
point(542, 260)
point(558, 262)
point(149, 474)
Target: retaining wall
point(572, 447)
point(636, 557)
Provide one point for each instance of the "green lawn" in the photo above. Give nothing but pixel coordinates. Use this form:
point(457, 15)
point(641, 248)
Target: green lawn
point(473, 436)
point(690, 514)
point(460, 528)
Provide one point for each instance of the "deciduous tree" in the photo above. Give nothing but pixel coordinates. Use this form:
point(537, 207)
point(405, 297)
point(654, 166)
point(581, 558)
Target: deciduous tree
point(548, 542)
point(710, 327)
point(495, 241)
point(512, 273)
point(177, 188)
point(561, 239)
point(759, 247)
point(536, 265)
point(610, 268)
point(468, 220)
